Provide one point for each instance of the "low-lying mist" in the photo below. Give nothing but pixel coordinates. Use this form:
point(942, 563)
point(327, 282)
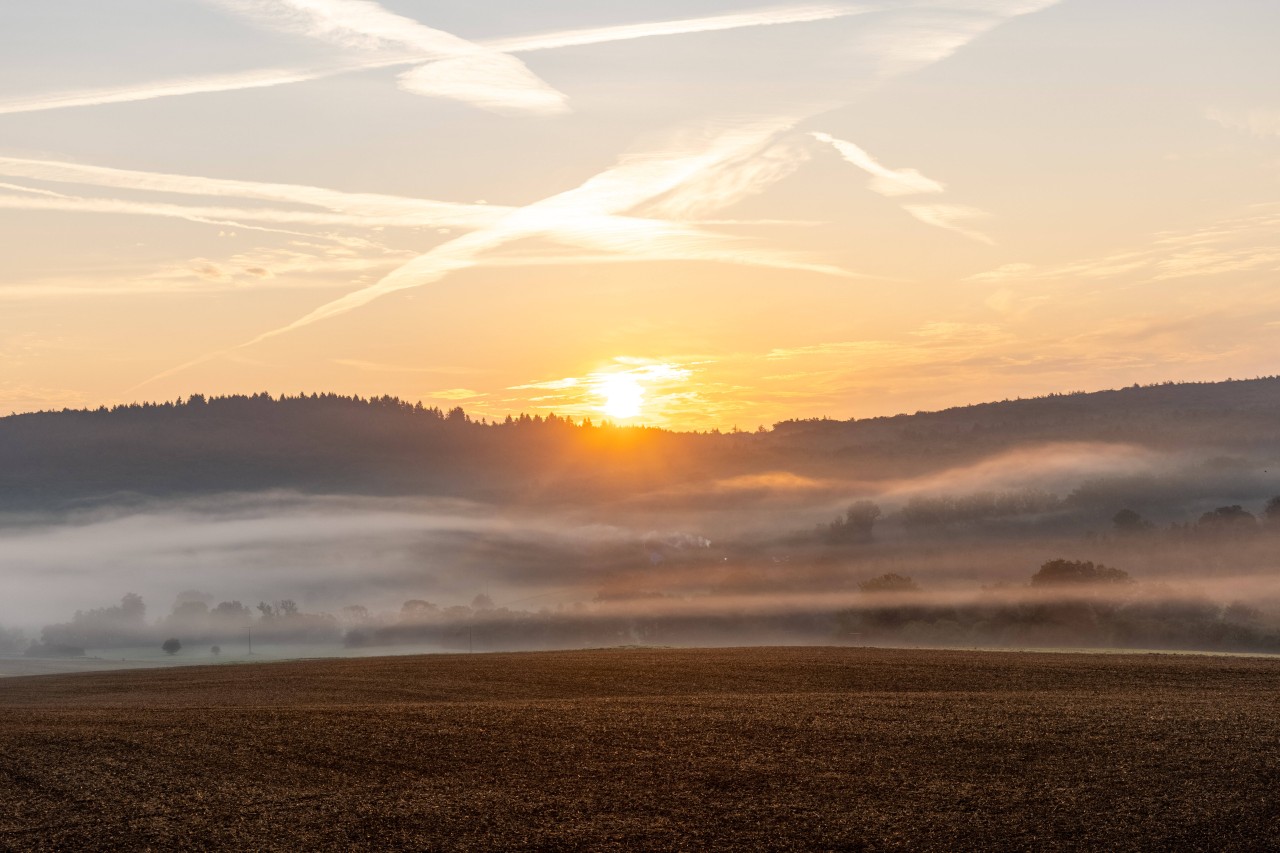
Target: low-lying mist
point(954, 556)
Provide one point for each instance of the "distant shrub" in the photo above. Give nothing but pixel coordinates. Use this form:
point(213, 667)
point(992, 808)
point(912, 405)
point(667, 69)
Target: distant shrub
point(1234, 517)
point(889, 583)
point(1128, 521)
point(1077, 572)
point(854, 526)
point(171, 646)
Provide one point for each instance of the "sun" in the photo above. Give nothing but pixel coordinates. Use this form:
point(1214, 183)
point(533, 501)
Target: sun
point(622, 395)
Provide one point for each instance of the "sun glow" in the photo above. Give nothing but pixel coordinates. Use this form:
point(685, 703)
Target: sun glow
point(622, 394)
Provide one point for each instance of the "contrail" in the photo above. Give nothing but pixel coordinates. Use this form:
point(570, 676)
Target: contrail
point(270, 77)
point(573, 216)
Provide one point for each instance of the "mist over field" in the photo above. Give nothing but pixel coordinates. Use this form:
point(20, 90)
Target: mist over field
point(933, 529)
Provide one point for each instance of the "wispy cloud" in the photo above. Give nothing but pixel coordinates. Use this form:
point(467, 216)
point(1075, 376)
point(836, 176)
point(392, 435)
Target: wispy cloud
point(640, 239)
point(32, 190)
point(270, 77)
point(886, 181)
point(454, 394)
point(617, 238)
point(903, 182)
point(588, 216)
point(383, 367)
point(264, 78)
point(925, 344)
point(662, 386)
point(951, 217)
point(1240, 244)
point(1262, 123)
point(729, 183)
point(772, 16)
point(917, 35)
point(367, 206)
point(222, 216)
point(458, 69)
point(574, 216)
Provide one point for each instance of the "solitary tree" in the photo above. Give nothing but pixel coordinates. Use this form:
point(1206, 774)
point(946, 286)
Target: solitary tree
point(854, 526)
point(171, 646)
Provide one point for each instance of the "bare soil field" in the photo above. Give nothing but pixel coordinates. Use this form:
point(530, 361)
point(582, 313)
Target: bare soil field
point(650, 749)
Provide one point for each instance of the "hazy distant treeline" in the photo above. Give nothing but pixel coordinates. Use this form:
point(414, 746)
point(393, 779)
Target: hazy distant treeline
point(1064, 602)
point(333, 444)
point(332, 513)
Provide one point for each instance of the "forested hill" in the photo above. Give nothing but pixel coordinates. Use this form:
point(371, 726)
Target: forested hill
point(332, 444)
point(1233, 413)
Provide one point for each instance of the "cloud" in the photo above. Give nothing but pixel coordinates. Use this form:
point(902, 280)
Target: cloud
point(367, 206)
point(362, 210)
point(915, 36)
point(32, 190)
point(270, 77)
point(494, 83)
point(207, 269)
point(685, 26)
point(206, 84)
point(902, 182)
point(616, 238)
point(931, 343)
point(1261, 123)
point(460, 69)
point(662, 385)
point(454, 394)
point(587, 216)
point(950, 217)
point(886, 181)
point(722, 187)
point(222, 216)
point(383, 367)
point(1240, 244)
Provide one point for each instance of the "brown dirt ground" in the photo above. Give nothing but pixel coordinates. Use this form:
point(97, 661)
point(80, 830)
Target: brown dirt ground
point(737, 749)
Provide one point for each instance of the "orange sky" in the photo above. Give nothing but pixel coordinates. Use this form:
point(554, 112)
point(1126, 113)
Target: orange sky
point(755, 212)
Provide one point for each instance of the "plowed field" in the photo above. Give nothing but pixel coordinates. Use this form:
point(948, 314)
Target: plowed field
point(740, 749)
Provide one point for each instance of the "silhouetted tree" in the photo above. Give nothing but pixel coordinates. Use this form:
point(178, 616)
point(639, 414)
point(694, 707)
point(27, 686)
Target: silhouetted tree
point(1127, 521)
point(1272, 511)
point(889, 583)
point(415, 609)
point(1077, 572)
point(854, 526)
point(355, 614)
point(171, 646)
point(132, 608)
point(1228, 518)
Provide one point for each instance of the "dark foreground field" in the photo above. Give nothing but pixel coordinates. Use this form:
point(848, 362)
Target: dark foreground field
point(741, 749)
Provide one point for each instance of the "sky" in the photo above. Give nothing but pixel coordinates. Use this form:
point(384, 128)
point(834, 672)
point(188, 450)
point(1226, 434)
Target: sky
point(704, 214)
